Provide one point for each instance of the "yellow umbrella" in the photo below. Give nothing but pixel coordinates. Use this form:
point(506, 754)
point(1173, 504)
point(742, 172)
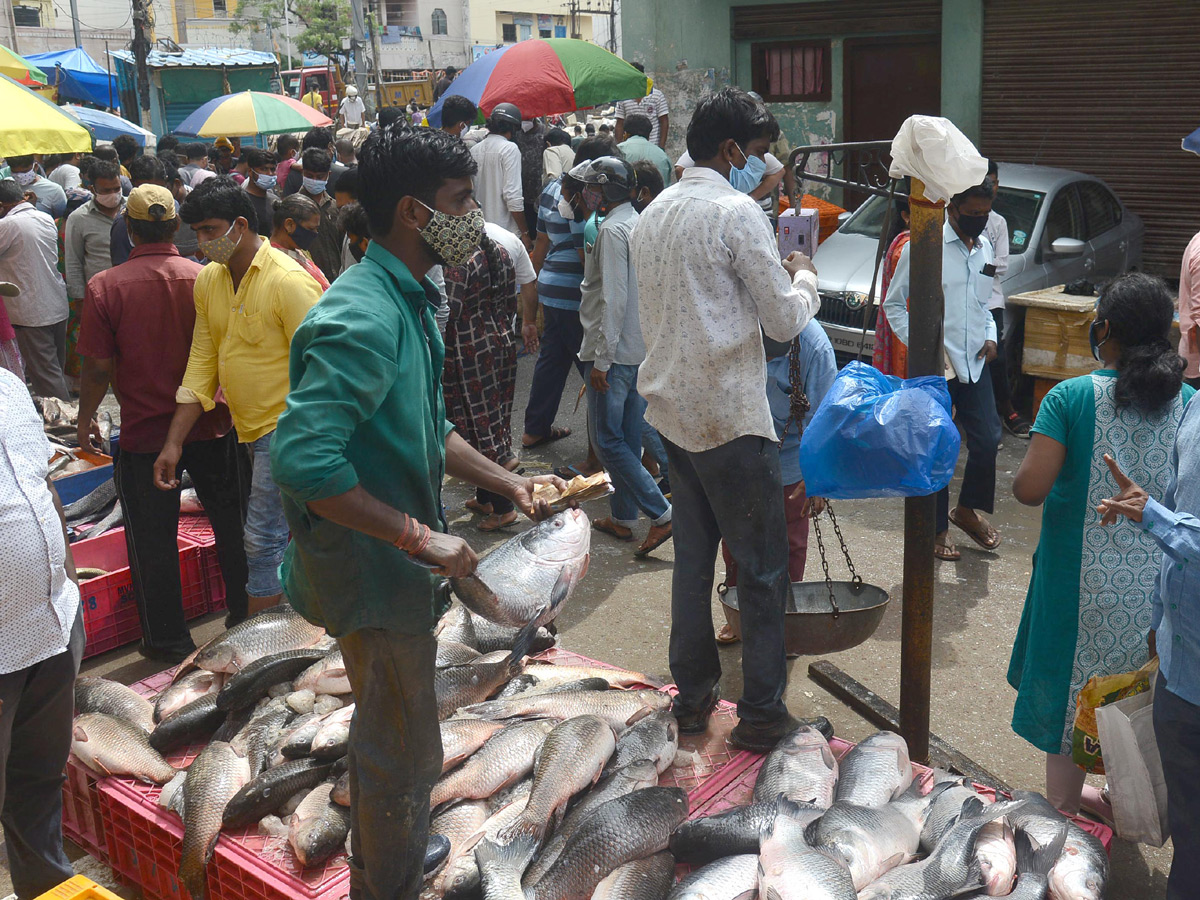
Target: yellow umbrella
point(32, 124)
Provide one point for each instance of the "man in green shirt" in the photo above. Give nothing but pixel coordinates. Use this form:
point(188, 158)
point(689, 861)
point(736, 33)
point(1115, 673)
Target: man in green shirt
point(637, 146)
point(360, 454)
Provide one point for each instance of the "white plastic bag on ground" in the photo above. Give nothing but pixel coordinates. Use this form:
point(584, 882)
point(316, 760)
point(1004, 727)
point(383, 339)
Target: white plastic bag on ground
point(1134, 770)
point(934, 150)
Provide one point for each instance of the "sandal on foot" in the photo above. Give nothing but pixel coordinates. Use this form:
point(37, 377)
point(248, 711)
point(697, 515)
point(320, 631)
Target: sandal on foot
point(609, 527)
point(655, 538)
point(498, 522)
point(982, 533)
point(946, 551)
point(557, 433)
point(483, 509)
point(1017, 426)
point(727, 635)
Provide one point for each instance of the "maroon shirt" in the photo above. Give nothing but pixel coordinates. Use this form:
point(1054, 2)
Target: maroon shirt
point(141, 315)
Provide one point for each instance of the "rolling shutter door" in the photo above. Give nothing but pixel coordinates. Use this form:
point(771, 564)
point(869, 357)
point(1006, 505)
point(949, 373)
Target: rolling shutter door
point(1093, 86)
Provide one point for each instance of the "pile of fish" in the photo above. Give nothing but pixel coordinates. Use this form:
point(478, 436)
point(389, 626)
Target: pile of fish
point(864, 829)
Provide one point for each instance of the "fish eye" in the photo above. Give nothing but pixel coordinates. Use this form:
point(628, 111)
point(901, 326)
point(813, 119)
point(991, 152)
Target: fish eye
point(558, 523)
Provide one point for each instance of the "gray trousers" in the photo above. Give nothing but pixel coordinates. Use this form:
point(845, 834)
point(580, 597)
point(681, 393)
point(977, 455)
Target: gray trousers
point(44, 349)
point(35, 740)
point(395, 757)
point(734, 492)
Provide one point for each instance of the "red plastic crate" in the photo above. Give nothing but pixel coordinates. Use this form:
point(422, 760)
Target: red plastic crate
point(196, 528)
point(110, 614)
point(81, 819)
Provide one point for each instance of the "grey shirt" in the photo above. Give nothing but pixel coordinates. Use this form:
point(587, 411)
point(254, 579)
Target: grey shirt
point(86, 245)
point(608, 312)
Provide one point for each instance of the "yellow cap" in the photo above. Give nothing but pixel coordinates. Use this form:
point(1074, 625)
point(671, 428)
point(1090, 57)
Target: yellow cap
point(150, 203)
point(223, 143)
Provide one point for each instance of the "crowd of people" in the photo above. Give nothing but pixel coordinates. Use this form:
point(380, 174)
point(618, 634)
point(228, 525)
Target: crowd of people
point(352, 338)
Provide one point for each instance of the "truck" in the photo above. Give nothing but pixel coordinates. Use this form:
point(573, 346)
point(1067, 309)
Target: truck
point(400, 93)
point(326, 80)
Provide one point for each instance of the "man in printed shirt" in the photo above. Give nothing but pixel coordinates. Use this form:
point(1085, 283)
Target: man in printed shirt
point(249, 303)
point(971, 339)
point(41, 644)
point(1174, 524)
point(710, 283)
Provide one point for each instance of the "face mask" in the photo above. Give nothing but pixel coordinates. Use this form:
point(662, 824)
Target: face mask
point(1095, 344)
point(592, 199)
point(219, 250)
point(303, 237)
point(358, 251)
point(750, 175)
point(25, 178)
point(971, 226)
point(453, 239)
point(315, 187)
point(641, 202)
point(565, 209)
point(109, 201)
point(266, 182)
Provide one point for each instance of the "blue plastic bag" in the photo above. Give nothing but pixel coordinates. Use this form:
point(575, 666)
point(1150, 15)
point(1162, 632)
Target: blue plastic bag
point(879, 436)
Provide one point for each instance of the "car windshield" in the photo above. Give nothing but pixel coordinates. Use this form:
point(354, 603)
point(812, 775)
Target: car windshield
point(1019, 208)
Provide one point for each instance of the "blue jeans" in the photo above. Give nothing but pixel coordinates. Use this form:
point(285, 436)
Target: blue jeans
point(617, 419)
point(652, 443)
point(266, 528)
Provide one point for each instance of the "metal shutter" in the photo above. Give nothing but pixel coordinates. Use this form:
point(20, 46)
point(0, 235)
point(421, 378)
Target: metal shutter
point(800, 21)
point(1103, 88)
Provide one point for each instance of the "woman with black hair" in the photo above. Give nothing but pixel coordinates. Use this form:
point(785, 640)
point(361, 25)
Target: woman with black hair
point(1088, 608)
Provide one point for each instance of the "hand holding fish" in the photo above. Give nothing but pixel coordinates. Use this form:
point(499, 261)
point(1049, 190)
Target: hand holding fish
point(523, 496)
point(452, 555)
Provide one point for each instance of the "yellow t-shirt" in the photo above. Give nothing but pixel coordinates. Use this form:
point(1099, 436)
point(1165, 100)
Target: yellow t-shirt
point(313, 99)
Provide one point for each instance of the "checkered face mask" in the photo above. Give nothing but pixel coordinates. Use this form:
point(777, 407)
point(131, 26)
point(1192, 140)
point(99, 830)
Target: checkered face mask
point(453, 239)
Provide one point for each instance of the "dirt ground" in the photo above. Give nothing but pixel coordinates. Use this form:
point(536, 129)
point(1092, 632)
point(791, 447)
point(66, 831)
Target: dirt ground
point(621, 613)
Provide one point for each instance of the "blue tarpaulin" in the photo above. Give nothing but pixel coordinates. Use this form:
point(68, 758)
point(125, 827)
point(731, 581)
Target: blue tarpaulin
point(1192, 142)
point(78, 77)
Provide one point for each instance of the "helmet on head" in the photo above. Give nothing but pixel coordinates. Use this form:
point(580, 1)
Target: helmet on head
point(506, 116)
point(351, 91)
point(613, 175)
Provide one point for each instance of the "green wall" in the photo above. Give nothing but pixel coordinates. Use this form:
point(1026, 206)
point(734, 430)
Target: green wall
point(688, 51)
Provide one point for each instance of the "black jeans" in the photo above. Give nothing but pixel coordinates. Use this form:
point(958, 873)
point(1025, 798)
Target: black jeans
point(998, 367)
point(734, 492)
point(561, 339)
point(220, 471)
point(1177, 730)
point(395, 757)
point(975, 412)
point(35, 740)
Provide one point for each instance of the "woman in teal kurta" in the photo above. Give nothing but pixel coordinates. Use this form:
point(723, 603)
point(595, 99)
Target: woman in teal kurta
point(1087, 611)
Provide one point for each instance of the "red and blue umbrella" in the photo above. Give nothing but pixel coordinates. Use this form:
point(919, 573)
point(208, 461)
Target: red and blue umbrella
point(546, 77)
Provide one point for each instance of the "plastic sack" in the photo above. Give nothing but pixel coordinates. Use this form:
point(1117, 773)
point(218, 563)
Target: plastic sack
point(875, 435)
point(1135, 775)
point(1099, 691)
point(934, 150)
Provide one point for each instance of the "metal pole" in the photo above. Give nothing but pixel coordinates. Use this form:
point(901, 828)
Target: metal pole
point(141, 51)
point(75, 23)
point(376, 54)
point(925, 314)
point(108, 66)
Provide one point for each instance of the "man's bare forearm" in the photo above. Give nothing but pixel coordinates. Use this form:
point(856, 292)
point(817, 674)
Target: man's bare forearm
point(465, 462)
point(185, 418)
point(93, 384)
point(358, 510)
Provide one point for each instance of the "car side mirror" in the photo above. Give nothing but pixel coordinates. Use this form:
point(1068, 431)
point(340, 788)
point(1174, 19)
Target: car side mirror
point(842, 217)
point(1067, 247)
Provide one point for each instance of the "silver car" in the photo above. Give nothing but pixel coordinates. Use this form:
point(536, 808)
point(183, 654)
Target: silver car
point(1062, 225)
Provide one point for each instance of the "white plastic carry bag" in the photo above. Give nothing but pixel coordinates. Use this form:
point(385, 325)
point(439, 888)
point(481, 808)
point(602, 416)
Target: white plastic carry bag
point(934, 150)
point(1134, 769)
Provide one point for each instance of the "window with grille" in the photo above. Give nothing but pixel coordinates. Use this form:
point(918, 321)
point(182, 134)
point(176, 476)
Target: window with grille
point(509, 32)
point(439, 22)
point(219, 8)
point(793, 72)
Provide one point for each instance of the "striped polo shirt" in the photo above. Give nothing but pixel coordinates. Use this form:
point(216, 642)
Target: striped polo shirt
point(562, 272)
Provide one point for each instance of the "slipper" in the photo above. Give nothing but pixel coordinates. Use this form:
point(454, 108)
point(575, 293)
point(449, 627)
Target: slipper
point(566, 473)
point(500, 522)
point(988, 540)
point(483, 509)
point(609, 527)
point(651, 544)
point(1017, 426)
point(557, 433)
point(727, 635)
point(947, 552)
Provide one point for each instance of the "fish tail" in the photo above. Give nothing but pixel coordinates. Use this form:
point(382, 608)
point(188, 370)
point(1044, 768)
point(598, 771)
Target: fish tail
point(524, 638)
point(1041, 860)
point(516, 854)
point(523, 831)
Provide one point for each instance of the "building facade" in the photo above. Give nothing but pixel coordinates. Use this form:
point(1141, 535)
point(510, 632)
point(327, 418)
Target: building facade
point(1078, 84)
point(498, 22)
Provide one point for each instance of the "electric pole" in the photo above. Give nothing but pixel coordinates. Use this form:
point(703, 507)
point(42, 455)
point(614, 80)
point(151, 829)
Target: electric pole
point(376, 55)
point(75, 23)
point(141, 51)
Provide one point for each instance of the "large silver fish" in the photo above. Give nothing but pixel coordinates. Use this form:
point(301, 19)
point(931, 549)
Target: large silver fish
point(190, 687)
point(265, 793)
point(642, 879)
point(318, 827)
point(789, 869)
point(620, 709)
point(111, 746)
point(728, 878)
point(802, 767)
point(631, 827)
point(505, 758)
point(99, 695)
point(1035, 864)
point(875, 771)
point(214, 778)
point(458, 823)
point(460, 878)
point(326, 676)
point(462, 737)
point(460, 686)
point(272, 631)
point(733, 832)
point(655, 737)
point(529, 577)
point(1081, 872)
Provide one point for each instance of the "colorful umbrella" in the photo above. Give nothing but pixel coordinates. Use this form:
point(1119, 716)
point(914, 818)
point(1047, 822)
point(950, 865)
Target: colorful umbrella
point(35, 125)
point(19, 69)
point(249, 113)
point(545, 77)
point(105, 126)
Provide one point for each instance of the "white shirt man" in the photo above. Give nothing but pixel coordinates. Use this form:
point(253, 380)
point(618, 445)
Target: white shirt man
point(498, 182)
point(352, 110)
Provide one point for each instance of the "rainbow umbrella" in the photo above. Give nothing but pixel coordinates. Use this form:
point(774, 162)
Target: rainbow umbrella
point(546, 77)
point(21, 70)
point(249, 113)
